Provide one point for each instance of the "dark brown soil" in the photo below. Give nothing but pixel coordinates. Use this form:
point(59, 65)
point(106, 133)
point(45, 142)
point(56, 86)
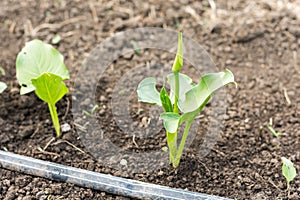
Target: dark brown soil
point(258, 41)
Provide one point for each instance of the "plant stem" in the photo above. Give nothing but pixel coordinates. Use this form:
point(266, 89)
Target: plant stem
point(172, 137)
point(182, 143)
point(176, 76)
point(172, 144)
point(54, 117)
point(288, 189)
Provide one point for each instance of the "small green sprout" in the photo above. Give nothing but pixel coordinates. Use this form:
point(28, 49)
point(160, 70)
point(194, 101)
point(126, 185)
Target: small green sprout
point(50, 88)
point(3, 86)
point(96, 107)
point(41, 68)
point(275, 133)
point(136, 48)
point(185, 101)
point(2, 71)
point(288, 171)
point(56, 39)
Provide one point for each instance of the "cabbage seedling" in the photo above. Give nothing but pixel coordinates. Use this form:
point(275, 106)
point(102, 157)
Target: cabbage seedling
point(275, 133)
point(185, 101)
point(50, 88)
point(288, 171)
point(41, 68)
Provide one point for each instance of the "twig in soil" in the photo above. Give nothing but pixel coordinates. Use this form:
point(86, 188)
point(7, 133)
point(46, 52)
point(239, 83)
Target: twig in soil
point(272, 183)
point(68, 34)
point(206, 168)
point(94, 12)
point(152, 13)
point(133, 140)
point(56, 26)
point(82, 128)
point(47, 152)
point(271, 121)
point(213, 6)
point(296, 61)
point(47, 145)
point(67, 110)
point(193, 13)
point(12, 27)
point(125, 23)
point(269, 180)
point(36, 131)
point(218, 152)
point(72, 145)
point(28, 27)
point(71, 55)
point(286, 96)
point(126, 10)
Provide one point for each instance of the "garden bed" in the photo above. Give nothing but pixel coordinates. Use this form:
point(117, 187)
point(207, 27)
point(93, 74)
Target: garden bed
point(258, 42)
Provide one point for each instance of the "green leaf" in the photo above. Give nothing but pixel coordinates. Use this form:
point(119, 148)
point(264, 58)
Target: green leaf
point(3, 86)
point(171, 121)
point(35, 59)
point(178, 62)
point(50, 88)
point(165, 100)
point(186, 83)
point(288, 169)
point(147, 91)
point(208, 84)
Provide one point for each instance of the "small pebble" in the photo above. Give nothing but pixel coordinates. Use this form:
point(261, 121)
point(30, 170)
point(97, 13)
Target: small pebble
point(65, 127)
point(102, 98)
point(123, 162)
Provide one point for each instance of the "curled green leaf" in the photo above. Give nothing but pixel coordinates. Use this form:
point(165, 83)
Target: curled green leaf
point(186, 83)
point(208, 84)
point(147, 91)
point(171, 121)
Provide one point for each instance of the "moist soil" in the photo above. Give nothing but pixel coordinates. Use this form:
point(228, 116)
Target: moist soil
point(258, 41)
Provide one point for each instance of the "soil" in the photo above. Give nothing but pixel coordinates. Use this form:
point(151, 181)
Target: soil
point(258, 41)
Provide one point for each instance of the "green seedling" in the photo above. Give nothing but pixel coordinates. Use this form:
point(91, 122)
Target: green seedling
point(3, 86)
point(185, 101)
point(2, 71)
point(136, 48)
point(50, 88)
point(56, 39)
point(275, 133)
point(288, 171)
point(41, 68)
point(96, 107)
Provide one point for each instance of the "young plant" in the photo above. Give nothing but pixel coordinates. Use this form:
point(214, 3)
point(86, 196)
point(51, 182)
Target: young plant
point(41, 67)
point(273, 131)
point(288, 171)
point(185, 101)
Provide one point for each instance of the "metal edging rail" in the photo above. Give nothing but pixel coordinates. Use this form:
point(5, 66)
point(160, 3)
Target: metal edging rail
point(96, 181)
